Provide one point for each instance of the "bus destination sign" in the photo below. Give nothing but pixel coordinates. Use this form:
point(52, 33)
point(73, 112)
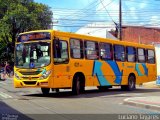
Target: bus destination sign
point(34, 36)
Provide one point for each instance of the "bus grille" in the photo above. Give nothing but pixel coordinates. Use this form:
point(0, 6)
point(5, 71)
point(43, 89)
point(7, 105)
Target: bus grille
point(29, 78)
point(30, 82)
point(31, 73)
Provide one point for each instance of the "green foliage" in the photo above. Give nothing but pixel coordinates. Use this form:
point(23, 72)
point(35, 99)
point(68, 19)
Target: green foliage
point(18, 16)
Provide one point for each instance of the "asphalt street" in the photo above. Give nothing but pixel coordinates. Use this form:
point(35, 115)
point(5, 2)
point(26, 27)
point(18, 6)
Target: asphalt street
point(29, 103)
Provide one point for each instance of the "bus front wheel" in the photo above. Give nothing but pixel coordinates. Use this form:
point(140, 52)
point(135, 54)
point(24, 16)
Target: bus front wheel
point(76, 85)
point(45, 91)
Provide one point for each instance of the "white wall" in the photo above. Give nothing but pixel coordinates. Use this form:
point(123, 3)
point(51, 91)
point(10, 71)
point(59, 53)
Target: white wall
point(157, 48)
point(97, 30)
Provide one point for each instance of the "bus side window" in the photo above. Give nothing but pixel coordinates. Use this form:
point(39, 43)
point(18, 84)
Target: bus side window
point(150, 56)
point(60, 52)
point(91, 50)
point(131, 54)
point(106, 51)
point(76, 48)
point(119, 53)
point(141, 55)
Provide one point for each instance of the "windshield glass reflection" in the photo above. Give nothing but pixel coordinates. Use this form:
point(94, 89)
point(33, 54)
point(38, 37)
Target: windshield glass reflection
point(32, 55)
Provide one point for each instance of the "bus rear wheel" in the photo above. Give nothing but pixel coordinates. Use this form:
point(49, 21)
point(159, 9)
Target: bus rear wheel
point(131, 84)
point(76, 85)
point(45, 91)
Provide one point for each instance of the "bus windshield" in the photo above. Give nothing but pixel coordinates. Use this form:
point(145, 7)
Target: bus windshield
point(32, 55)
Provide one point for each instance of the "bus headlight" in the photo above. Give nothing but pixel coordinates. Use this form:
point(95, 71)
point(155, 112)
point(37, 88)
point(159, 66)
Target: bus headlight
point(17, 76)
point(46, 74)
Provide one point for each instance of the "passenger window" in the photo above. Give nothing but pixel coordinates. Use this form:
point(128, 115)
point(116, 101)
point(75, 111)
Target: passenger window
point(76, 48)
point(151, 56)
point(106, 51)
point(60, 52)
point(91, 50)
point(131, 54)
point(119, 53)
point(141, 55)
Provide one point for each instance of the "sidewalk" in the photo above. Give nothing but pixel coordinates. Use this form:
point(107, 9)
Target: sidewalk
point(150, 85)
point(149, 102)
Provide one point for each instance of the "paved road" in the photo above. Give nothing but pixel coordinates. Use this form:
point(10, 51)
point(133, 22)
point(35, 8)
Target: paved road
point(30, 103)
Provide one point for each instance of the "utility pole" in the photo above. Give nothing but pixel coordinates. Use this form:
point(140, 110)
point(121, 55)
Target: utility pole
point(120, 20)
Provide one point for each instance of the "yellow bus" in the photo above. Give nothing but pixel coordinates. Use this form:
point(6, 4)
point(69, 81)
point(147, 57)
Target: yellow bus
point(50, 59)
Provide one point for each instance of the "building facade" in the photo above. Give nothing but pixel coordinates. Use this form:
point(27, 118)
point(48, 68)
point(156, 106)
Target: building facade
point(139, 34)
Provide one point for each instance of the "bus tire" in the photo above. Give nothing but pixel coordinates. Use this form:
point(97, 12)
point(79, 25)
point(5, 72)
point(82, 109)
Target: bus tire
point(45, 91)
point(76, 85)
point(82, 84)
point(131, 84)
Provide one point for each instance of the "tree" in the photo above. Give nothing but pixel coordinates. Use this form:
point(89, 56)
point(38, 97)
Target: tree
point(18, 16)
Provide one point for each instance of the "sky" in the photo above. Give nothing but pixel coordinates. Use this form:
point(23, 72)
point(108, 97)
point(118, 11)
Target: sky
point(70, 15)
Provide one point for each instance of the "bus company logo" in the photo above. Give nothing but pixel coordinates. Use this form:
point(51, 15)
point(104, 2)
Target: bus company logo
point(29, 78)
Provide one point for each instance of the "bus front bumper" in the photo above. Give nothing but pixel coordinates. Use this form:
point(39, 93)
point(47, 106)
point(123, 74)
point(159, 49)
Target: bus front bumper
point(30, 83)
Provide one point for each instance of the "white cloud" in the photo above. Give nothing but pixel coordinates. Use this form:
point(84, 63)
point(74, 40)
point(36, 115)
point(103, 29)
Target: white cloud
point(133, 14)
point(142, 5)
point(155, 20)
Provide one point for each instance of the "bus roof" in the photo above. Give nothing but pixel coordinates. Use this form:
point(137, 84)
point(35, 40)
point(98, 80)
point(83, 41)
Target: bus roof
point(92, 38)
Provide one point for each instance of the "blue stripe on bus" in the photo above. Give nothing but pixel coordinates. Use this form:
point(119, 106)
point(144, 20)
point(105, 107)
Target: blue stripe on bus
point(116, 71)
point(98, 72)
point(138, 70)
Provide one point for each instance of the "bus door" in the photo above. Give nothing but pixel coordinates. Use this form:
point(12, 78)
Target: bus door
point(61, 63)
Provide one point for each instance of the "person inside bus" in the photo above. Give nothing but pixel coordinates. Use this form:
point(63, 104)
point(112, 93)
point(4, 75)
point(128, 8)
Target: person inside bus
point(39, 52)
point(24, 54)
point(32, 50)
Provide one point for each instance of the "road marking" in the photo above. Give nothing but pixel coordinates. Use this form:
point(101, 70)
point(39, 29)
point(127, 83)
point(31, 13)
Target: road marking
point(4, 95)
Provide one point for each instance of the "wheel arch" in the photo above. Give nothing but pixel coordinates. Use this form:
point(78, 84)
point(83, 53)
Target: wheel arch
point(82, 78)
point(132, 74)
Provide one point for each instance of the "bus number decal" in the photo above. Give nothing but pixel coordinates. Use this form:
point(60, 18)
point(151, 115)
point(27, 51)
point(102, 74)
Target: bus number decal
point(77, 64)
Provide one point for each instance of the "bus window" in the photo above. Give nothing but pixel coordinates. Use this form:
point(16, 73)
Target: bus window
point(76, 48)
point(106, 51)
point(151, 56)
point(60, 52)
point(91, 50)
point(141, 55)
point(119, 53)
point(131, 54)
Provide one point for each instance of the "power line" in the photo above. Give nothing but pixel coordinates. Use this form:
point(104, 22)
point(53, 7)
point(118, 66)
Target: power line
point(82, 10)
point(143, 2)
point(107, 10)
point(97, 10)
point(145, 15)
point(84, 26)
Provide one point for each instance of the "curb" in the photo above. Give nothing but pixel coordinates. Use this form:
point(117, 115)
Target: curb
point(132, 102)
